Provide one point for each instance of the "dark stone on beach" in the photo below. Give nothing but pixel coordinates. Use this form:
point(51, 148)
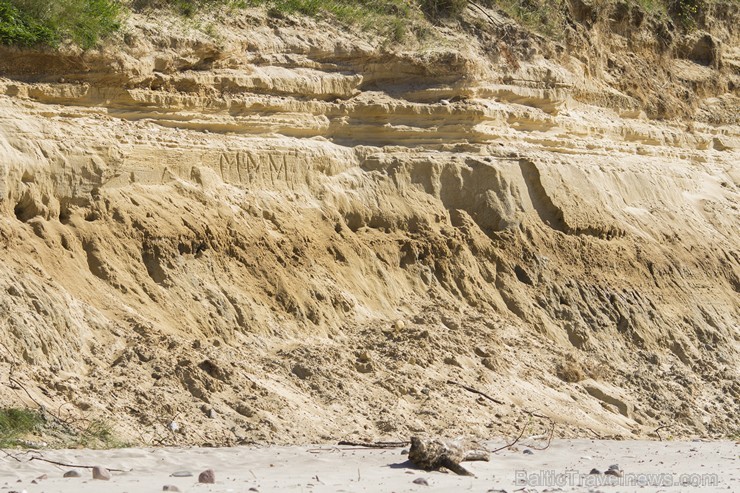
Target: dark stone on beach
point(208, 476)
point(595, 471)
point(527, 452)
point(72, 474)
point(170, 487)
point(421, 481)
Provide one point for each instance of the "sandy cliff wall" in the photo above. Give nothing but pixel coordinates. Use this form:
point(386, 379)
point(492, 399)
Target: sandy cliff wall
point(227, 230)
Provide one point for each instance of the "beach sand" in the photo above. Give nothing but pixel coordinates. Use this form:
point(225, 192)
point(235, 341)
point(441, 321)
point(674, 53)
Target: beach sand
point(668, 466)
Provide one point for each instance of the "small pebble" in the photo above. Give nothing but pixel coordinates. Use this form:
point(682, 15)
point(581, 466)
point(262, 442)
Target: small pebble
point(181, 474)
point(527, 452)
point(595, 471)
point(101, 473)
point(614, 467)
point(170, 487)
point(421, 481)
point(72, 474)
point(208, 477)
point(614, 472)
point(405, 451)
point(253, 489)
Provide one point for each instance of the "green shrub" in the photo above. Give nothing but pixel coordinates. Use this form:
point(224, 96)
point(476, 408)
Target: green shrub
point(686, 11)
point(46, 22)
point(443, 8)
point(85, 22)
point(18, 28)
point(546, 17)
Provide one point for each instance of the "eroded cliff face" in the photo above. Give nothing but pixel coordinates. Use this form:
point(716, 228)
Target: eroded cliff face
point(289, 232)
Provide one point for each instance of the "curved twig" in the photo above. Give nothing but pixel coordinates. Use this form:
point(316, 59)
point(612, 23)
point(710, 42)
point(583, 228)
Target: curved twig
point(550, 434)
point(549, 437)
point(657, 431)
point(516, 440)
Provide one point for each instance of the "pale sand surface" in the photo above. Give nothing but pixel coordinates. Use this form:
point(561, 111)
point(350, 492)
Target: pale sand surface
point(326, 468)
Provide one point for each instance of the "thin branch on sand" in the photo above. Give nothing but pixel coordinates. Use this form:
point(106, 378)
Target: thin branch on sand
point(550, 433)
point(515, 441)
point(373, 444)
point(36, 457)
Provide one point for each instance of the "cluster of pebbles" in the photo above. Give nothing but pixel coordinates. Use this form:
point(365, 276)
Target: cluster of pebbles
point(101, 473)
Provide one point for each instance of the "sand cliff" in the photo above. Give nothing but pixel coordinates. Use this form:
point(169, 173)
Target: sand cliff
point(285, 231)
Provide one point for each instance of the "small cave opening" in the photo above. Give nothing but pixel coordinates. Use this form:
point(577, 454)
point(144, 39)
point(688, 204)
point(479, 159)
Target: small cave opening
point(19, 212)
point(704, 51)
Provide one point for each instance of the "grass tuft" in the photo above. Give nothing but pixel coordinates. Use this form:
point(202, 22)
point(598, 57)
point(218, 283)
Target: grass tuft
point(98, 435)
point(17, 422)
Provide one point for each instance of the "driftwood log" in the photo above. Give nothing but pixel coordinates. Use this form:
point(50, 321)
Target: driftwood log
point(434, 453)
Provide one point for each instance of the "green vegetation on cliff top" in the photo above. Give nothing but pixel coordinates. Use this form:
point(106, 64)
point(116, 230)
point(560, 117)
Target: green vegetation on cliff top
point(44, 22)
point(85, 22)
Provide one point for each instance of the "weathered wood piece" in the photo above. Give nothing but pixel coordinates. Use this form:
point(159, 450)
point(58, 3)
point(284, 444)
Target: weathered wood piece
point(434, 453)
